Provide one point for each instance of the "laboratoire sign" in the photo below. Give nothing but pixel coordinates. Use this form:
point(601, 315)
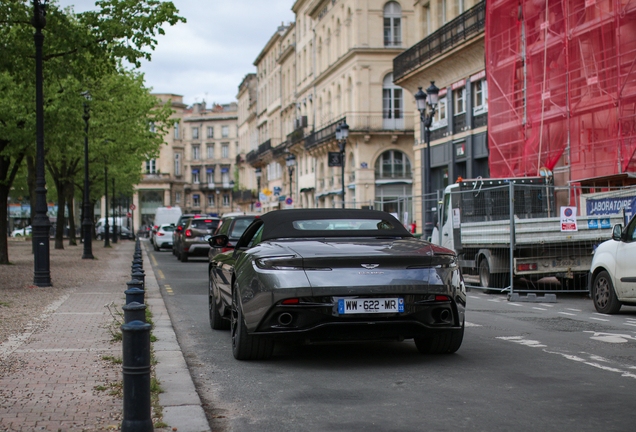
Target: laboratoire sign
point(608, 206)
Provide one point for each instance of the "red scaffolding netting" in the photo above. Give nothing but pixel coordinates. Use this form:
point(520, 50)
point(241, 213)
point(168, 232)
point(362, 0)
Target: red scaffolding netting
point(574, 62)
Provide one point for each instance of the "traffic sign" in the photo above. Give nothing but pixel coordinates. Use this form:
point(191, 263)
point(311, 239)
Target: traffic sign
point(132, 207)
point(288, 201)
point(129, 214)
point(258, 204)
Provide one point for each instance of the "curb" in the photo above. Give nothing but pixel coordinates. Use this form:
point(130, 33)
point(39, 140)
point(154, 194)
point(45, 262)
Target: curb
point(182, 408)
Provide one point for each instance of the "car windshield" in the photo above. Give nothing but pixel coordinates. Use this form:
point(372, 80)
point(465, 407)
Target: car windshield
point(239, 227)
point(168, 228)
point(204, 224)
point(342, 225)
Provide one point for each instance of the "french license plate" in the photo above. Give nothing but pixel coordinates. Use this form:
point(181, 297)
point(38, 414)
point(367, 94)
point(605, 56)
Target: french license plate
point(370, 305)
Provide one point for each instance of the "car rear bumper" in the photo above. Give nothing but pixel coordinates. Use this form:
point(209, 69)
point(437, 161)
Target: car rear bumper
point(196, 248)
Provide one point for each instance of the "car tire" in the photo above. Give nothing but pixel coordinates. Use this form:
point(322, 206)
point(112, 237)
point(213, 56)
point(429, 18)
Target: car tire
point(155, 246)
point(603, 294)
point(184, 256)
point(440, 342)
point(217, 322)
point(244, 345)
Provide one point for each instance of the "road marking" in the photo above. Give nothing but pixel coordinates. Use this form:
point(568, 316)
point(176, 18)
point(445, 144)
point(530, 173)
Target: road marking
point(567, 313)
point(520, 340)
point(160, 273)
point(599, 314)
point(630, 324)
point(169, 289)
point(598, 319)
point(154, 260)
point(538, 308)
point(515, 304)
point(474, 297)
point(594, 364)
point(575, 310)
point(611, 337)
point(546, 305)
point(469, 324)
point(494, 301)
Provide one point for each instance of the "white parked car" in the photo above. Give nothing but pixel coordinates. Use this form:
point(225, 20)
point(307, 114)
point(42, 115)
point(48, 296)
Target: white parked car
point(613, 273)
point(163, 236)
point(26, 231)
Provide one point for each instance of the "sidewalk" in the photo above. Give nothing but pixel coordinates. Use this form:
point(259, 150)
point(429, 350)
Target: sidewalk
point(58, 374)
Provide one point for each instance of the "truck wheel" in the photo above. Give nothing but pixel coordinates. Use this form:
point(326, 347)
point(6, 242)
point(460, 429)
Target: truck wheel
point(490, 280)
point(605, 300)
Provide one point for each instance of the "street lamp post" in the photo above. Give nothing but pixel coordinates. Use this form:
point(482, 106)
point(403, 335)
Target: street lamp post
point(342, 133)
point(87, 223)
point(41, 223)
point(290, 161)
point(106, 225)
point(430, 99)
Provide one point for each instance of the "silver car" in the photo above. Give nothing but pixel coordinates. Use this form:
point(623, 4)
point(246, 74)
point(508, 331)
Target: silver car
point(325, 274)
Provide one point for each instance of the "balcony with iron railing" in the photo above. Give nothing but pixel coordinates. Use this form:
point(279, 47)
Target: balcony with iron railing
point(387, 121)
point(323, 135)
point(466, 26)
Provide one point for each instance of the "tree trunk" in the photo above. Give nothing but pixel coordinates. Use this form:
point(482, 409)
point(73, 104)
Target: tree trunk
point(4, 242)
point(31, 185)
point(70, 203)
point(61, 222)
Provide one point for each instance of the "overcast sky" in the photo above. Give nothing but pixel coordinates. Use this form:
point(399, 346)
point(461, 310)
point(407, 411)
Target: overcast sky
point(207, 57)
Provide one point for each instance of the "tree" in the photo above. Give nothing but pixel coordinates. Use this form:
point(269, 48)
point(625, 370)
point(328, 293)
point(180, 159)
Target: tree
point(79, 50)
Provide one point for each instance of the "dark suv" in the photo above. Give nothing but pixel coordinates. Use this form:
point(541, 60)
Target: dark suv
point(177, 233)
point(233, 227)
point(193, 240)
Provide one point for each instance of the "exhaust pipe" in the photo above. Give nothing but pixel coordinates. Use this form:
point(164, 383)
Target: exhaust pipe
point(285, 319)
point(445, 316)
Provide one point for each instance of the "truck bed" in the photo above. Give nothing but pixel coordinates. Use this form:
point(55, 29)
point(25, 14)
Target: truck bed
point(533, 232)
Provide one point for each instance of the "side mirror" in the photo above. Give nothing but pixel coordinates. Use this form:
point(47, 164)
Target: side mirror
point(219, 240)
point(617, 232)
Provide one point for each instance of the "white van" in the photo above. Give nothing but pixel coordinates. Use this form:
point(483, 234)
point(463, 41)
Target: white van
point(120, 222)
point(165, 216)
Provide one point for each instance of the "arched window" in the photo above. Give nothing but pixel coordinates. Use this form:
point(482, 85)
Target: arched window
point(392, 104)
point(393, 164)
point(392, 24)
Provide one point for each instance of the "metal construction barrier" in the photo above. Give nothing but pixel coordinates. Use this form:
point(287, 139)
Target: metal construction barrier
point(530, 237)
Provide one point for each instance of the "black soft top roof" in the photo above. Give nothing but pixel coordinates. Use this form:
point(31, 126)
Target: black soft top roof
point(279, 223)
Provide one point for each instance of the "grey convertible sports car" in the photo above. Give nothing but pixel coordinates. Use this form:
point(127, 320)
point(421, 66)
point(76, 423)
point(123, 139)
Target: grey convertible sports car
point(330, 274)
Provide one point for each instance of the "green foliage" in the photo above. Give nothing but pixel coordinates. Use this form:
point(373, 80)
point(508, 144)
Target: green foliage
point(93, 51)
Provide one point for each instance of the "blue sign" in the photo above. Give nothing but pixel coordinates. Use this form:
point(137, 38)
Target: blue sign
point(277, 190)
point(592, 224)
point(610, 206)
point(605, 223)
point(288, 201)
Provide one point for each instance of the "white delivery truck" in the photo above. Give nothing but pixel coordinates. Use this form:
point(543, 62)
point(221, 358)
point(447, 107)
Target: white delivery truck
point(163, 216)
point(476, 222)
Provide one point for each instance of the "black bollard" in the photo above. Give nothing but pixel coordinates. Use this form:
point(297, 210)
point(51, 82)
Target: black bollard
point(134, 295)
point(136, 372)
point(139, 275)
point(134, 311)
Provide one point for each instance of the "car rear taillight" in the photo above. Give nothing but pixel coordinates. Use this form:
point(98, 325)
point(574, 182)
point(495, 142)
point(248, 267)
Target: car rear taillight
point(291, 301)
point(160, 234)
point(156, 227)
point(188, 233)
point(526, 267)
point(441, 298)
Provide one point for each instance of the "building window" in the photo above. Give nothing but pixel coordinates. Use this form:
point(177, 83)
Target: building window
point(152, 127)
point(480, 97)
point(195, 133)
point(210, 131)
point(225, 151)
point(226, 200)
point(392, 164)
point(392, 104)
point(195, 176)
point(196, 201)
point(177, 197)
point(225, 177)
point(460, 100)
point(177, 164)
point(392, 24)
point(210, 200)
point(176, 130)
point(210, 176)
point(439, 119)
point(210, 151)
point(225, 131)
point(151, 166)
point(196, 153)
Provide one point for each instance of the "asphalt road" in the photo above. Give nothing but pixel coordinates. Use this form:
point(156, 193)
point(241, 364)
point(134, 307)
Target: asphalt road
point(522, 367)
